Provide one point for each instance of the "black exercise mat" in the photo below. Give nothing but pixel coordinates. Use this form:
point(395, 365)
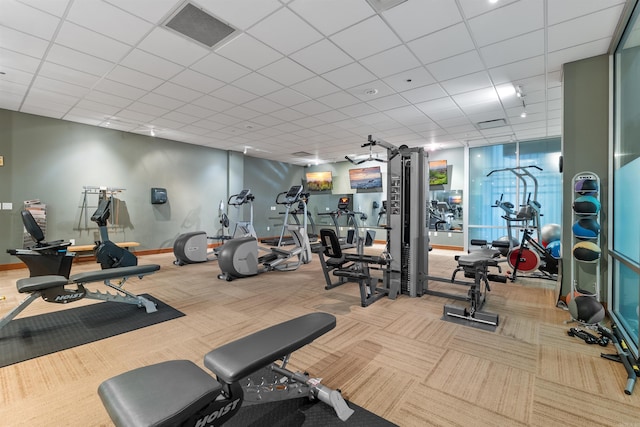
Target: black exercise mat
point(31, 337)
point(302, 411)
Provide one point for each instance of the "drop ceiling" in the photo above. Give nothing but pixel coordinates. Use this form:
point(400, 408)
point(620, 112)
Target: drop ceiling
point(311, 76)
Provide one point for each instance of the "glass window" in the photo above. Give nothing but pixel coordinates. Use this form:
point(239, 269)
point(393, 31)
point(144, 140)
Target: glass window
point(491, 181)
point(625, 249)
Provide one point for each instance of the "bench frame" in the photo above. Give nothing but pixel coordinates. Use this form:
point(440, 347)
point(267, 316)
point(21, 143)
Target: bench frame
point(52, 288)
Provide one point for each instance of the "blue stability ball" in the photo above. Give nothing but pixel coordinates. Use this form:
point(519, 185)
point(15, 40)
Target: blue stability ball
point(586, 186)
point(586, 205)
point(555, 249)
point(586, 252)
point(586, 228)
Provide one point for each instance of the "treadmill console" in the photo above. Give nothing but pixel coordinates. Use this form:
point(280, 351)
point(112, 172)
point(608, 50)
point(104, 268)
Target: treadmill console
point(241, 198)
point(293, 194)
point(343, 204)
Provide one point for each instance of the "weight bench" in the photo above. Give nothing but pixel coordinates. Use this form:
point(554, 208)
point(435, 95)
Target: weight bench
point(52, 288)
point(350, 267)
point(179, 393)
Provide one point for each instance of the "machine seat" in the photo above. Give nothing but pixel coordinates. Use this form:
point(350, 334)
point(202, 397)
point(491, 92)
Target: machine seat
point(40, 283)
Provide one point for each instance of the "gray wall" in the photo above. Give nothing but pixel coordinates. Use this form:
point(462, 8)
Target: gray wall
point(585, 147)
point(52, 160)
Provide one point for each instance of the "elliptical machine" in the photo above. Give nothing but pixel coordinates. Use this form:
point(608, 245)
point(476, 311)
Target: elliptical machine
point(239, 257)
point(193, 247)
point(108, 254)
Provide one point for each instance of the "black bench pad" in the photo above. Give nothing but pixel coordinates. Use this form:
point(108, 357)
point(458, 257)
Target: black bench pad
point(238, 359)
point(475, 260)
point(158, 395)
point(39, 283)
point(113, 273)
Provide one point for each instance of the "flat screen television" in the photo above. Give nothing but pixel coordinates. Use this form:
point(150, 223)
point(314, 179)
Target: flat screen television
point(365, 178)
point(438, 174)
point(319, 181)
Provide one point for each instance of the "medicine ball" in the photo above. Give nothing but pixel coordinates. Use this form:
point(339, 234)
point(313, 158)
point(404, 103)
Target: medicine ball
point(555, 249)
point(550, 233)
point(586, 309)
point(586, 205)
point(586, 228)
point(586, 252)
point(586, 186)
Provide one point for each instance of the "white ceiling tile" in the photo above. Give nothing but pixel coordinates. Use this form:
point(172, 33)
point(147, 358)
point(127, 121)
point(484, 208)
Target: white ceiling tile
point(467, 83)
point(175, 91)
point(242, 113)
point(349, 76)
point(315, 87)
point(409, 79)
point(499, 24)
point(518, 70)
point(220, 68)
point(60, 87)
point(357, 110)
point(197, 130)
point(556, 59)
point(19, 61)
point(371, 90)
point(23, 43)
point(248, 51)
point(515, 49)
point(84, 116)
point(424, 93)
point(20, 77)
point(339, 99)
point(54, 7)
point(286, 71)
point(167, 45)
point(415, 18)
point(456, 66)
point(407, 115)
point(240, 13)
point(433, 106)
point(331, 116)
point(13, 89)
point(584, 29)
point(321, 57)
point(233, 94)
point(107, 99)
point(77, 60)
point(119, 89)
point(388, 102)
point(480, 96)
point(152, 110)
point(392, 61)
point(107, 19)
point(134, 116)
point(307, 122)
point(39, 108)
point(78, 38)
point(323, 16)
point(442, 44)
point(28, 20)
point(285, 32)
point(150, 10)
point(195, 111)
point(311, 107)
point(267, 121)
point(258, 84)
point(263, 105)
point(366, 38)
point(473, 8)
point(180, 117)
point(128, 76)
point(196, 81)
point(151, 64)
point(287, 97)
point(559, 11)
point(161, 101)
point(59, 72)
point(213, 103)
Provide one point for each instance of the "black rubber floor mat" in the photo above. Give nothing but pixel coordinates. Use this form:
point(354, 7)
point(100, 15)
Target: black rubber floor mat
point(35, 336)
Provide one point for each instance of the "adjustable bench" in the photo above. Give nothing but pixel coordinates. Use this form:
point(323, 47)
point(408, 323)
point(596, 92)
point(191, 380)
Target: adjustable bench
point(52, 288)
point(179, 393)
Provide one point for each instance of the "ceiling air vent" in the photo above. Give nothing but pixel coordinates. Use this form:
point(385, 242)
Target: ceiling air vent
point(196, 24)
point(301, 154)
point(490, 124)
